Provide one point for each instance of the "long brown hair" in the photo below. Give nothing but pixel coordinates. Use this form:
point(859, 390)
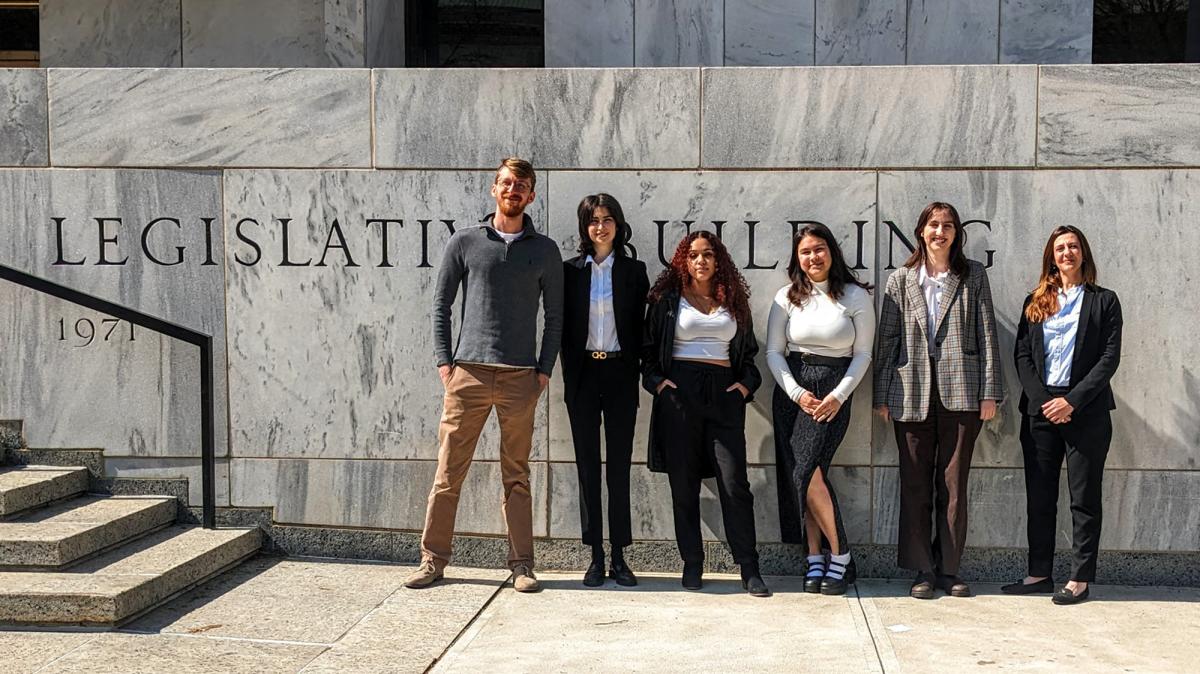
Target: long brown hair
point(1044, 302)
point(958, 260)
point(732, 292)
point(840, 274)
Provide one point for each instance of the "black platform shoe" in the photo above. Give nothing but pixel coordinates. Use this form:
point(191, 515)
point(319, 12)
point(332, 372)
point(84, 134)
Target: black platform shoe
point(812, 581)
point(692, 575)
point(837, 586)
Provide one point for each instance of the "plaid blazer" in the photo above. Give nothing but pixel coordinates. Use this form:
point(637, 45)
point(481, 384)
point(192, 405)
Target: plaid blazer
point(966, 352)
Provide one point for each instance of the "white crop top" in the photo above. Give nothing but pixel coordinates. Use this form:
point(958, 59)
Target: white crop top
point(823, 327)
point(700, 336)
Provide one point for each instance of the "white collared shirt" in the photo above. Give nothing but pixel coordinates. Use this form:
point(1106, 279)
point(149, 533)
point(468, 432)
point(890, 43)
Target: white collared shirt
point(1058, 337)
point(931, 287)
point(602, 325)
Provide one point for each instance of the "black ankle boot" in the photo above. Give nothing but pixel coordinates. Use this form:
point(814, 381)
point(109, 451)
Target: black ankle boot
point(752, 581)
point(692, 574)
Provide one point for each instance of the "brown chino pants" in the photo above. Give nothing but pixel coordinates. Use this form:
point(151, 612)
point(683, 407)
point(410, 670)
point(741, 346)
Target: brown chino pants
point(471, 393)
point(935, 459)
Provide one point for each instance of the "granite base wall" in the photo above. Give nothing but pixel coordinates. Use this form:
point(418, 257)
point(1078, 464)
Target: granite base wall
point(312, 260)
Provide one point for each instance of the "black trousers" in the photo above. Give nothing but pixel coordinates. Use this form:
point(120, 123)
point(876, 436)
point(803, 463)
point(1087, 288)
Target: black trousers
point(703, 427)
point(802, 445)
point(1084, 442)
point(608, 390)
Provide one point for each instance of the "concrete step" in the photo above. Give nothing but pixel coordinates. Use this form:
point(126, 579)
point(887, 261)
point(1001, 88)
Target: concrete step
point(127, 581)
point(25, 487)
point(74, 529)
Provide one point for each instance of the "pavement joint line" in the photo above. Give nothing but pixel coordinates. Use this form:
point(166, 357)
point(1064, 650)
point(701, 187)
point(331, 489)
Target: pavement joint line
point(470, 624)
point(218, 637)
point(864, 629)
point(879, 632)
point(70, 651)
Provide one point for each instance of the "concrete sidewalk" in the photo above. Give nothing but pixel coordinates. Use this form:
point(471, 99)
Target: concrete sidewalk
point(309, 615)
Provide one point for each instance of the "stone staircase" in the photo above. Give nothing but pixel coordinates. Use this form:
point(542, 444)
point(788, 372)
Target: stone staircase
point(68, 557)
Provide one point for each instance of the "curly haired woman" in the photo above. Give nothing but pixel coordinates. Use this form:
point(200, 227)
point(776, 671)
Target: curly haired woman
point(698, 361)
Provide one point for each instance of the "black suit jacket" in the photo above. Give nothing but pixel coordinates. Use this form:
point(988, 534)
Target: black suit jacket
point(630, 286)
point(1097, 355)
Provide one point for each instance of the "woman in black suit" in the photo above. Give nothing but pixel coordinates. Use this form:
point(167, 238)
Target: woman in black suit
point(604, 303)
point(1068, 348)
point(698, 361)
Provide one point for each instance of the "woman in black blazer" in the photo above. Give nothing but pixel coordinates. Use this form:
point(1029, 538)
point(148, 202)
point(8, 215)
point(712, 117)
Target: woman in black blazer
point(604, 303)
point(1068, 348)
point(698, 361)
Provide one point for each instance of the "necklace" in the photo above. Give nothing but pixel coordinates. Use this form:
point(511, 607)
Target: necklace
point(704, 303)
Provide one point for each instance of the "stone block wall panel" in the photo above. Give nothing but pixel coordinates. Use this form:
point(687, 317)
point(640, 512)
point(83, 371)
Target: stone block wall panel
point(246, 118)
point(589, 34)
point(869, 117)
point(618, 118)
point(110, 34)
point(1046, 31)
point(669, 33)
point(769, 33)
point(23, 135)
point(1117, 116)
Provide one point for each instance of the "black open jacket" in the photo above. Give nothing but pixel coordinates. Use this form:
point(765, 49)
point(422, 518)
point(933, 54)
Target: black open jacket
point(657, 355)
point(1097, 355)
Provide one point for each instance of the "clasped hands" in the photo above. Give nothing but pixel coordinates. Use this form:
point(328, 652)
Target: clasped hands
point(1057, 410)
point(822, 410)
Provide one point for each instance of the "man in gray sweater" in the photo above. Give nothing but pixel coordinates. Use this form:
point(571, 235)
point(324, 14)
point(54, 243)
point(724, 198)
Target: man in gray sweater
point(502, 267)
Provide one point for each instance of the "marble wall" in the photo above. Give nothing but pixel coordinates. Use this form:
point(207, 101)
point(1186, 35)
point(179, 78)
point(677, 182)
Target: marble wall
point(323, 250)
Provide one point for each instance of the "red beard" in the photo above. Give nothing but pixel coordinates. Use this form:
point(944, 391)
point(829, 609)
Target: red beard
point(511, 209)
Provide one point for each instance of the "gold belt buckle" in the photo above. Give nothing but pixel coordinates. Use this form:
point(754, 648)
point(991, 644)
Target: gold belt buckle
point(599, 355)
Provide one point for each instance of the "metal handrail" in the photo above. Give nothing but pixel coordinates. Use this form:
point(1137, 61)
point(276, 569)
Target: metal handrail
point(208, 454)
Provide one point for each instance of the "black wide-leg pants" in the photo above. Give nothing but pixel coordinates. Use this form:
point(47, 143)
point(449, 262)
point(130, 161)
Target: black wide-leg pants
point(608, 391)
point(802, 445)
point(704, 425)
point(1084, 443)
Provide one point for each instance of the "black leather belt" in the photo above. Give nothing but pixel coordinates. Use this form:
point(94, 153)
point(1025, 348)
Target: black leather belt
point(604, 355)
point(814, 359)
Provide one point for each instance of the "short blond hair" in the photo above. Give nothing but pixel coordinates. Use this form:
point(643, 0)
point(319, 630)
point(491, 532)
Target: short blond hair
point(519, 168)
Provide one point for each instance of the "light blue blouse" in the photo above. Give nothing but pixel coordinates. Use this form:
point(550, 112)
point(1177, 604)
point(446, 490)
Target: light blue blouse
point(1058, 337)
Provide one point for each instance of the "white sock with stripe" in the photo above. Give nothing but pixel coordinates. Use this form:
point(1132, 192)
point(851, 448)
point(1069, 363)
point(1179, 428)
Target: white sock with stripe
point(837, 565)
point(816, 566)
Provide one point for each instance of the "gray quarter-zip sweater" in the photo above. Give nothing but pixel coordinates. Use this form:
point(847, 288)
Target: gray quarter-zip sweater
point(501, 283)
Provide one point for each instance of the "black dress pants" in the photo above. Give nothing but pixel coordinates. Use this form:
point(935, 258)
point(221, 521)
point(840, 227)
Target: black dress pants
point(1084, 442)
point(608, 390)
point(703, 426)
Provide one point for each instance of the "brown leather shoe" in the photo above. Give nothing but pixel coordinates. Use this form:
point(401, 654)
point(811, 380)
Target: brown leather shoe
point(426, 574)
point(954, 586)
point(922, 587)
point(523, 579)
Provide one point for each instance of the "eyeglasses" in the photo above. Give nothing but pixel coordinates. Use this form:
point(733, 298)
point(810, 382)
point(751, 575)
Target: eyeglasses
point(517, 186)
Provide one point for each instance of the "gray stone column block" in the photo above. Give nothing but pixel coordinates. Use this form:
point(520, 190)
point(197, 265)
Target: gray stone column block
point(346, 33)
point(769, 33)
point(149, 240)
point(265, 33)
point(679, 33)
point(385, 33)
point(377, 494)
point(555, 118)
point(589, 33)
point(110, 34)
point(1119, 115)
point(331, 348)
point(860, 32)
point(953, 32)
point(936, 116)
point(242, 118)
point(1046, 31)
point(23, 134)
point(1154, 424)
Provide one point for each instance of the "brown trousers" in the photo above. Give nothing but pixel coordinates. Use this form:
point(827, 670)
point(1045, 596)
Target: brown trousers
point(935, 459)
point(471, 393)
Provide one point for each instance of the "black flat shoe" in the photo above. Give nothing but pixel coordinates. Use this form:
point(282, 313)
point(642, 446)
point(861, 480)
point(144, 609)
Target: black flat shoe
point(1045, 585)
point(1066, 597)
point(692, 574)
point(755, 586)
point(812, 584)
point(620, 572)
point(594, 576)
point(922, 587)
point(833, 586)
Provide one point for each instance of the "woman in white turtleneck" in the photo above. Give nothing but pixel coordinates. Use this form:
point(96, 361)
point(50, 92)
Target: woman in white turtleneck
point(820, 335)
